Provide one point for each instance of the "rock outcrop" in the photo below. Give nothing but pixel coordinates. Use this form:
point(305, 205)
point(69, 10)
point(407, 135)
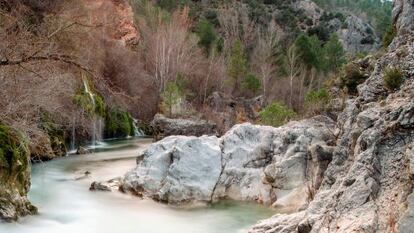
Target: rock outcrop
point(227, 111)
point(164, 127)
point(249, 163)
point(357, 35)
point(14, 176)
point(368, 185)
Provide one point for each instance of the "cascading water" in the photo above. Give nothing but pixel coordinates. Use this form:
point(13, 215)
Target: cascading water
point(92, 97)
point(73, 140)
point(137, 131)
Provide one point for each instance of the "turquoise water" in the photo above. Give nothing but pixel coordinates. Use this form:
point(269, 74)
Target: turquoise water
point(60, 189)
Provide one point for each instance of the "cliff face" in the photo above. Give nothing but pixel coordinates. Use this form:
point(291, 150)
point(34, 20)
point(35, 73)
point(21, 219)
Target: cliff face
point(368, 185)
point(356, 34)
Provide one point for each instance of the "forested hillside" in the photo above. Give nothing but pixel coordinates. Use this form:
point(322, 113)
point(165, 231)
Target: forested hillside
point(377, 12)
point(141, 57)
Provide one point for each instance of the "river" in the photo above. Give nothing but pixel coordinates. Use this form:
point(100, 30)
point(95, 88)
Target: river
point(60, 189)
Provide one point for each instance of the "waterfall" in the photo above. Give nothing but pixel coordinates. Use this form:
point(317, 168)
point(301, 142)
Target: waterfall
point(137, 131)
point(73, 141)
point(92, 97)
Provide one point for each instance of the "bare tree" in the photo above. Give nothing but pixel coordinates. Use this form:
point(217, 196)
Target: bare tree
point(293, 67)
point(263, 58)
point(236, 25)
point(168, 47)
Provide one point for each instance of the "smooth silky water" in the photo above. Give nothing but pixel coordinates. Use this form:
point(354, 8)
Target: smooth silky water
point(60, 189)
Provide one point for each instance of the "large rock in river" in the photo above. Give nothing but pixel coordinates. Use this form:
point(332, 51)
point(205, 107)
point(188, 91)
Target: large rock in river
point(249, 163)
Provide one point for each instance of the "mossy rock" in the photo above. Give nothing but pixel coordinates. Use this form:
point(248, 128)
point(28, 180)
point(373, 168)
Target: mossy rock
point(56, 133)
point(118, 124)
point(14, 159)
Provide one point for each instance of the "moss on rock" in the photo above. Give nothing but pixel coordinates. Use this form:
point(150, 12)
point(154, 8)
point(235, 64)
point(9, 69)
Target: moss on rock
point(56, 133)
point(118, 124)
point(14, 175)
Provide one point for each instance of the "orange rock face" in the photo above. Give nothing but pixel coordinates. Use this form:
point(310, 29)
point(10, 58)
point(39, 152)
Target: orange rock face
point(117, 19)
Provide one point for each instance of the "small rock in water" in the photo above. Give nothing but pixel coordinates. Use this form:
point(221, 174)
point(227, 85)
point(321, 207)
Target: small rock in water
point(107, 186)
point(82, 151)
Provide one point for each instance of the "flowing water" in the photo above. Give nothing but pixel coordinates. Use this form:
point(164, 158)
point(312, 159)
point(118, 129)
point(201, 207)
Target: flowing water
point(60, 191)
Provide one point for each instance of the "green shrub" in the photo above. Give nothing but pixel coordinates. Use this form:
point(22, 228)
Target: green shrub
point(316, 101)
point(351, 78)
point(55, 132)
point(389, 36)
point(172, 95)
point(14, 158)
point(393, 78)
point(206, 33)
point(118, 124)
point(83, 100)
point(252, 83)
point(318, 96)
point(276, 114)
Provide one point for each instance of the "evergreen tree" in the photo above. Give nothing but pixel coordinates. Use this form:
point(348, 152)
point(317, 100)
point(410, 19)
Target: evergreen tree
point(206, 33)
point(237, 65)
point(310, 52)
point(334, 53)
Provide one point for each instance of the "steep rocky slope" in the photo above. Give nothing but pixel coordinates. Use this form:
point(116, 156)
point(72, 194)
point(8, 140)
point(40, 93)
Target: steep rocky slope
point(367, 187)
point(356, 34)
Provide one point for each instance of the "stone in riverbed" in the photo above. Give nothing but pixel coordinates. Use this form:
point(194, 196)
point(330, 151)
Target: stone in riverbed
point(108, 186)
point(82, 151)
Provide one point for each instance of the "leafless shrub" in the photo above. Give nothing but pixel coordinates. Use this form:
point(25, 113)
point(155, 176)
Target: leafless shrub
point(310, 191)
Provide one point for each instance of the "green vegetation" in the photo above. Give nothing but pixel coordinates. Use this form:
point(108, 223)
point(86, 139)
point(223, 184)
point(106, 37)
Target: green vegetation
point(351, 78)
point(310, 50)
point(276, 114)
point(237, 64)
point(378, 11)
point(14, 158)
point(334, 54)
point(317, 100)
point(327, 57)
point(207, 35)
point(56, 134)
point(83, 100)
point(393, 78)
point(389, 36)
point(318, 96)
point(252, 83)
point(118, 124)
point(172, 95)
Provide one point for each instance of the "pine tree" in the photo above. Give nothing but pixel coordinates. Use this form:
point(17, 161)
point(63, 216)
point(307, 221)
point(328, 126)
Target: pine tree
point(334, 53)
point(237, 65)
